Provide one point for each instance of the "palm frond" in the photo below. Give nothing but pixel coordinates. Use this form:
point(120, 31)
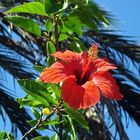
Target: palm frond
point(127, 76)
point(124, 44)
point(19, 69)
point(97, 125)
point(123, 53)
point(15, 39)
point(6, 4)
point(17, 116)
point(126, 65)
point(17, 55)
point(116, 118)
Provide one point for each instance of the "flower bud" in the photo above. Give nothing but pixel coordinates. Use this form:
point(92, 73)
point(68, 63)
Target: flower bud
point(37, 79)
point(46, 111)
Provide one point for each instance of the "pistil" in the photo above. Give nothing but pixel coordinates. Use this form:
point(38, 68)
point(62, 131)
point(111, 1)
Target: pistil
point(92, 55)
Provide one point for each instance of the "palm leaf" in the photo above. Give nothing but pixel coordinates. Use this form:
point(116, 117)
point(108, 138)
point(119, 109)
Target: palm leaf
point(19, 69)
point(123, 53)
point(18, 117)
point(17, 60)
point(121, 43)
point(127, 76)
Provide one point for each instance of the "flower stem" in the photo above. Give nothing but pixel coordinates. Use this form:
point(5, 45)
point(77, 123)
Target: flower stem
point(56, 31)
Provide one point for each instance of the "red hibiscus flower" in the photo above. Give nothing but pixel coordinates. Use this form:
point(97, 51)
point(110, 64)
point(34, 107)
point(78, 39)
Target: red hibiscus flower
point(84, 78)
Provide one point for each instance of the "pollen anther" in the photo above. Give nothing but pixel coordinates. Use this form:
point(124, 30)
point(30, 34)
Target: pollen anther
point(93, 52)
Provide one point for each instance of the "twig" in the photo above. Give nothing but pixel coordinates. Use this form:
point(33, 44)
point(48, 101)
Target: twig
point(60, 125)
point(56, 31)
point(40, 121)
point(32, 129)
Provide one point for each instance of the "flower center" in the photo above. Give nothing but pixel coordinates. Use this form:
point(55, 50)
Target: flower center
point(88, 70)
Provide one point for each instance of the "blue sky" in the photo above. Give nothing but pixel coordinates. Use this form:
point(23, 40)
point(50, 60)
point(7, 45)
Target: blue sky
point(127, 13)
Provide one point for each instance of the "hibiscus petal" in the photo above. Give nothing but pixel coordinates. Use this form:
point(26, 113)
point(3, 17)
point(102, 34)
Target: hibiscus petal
point(73, 59)
point(103, 65)
point(58, 72)
point(84, 59)
point(107, 84)
point(92, 94)
point(78, 96)
point(95, 66)
point(68, 56)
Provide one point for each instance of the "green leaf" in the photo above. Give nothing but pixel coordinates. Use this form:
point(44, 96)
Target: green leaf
point(63, 29)
point(86, 19)
point(79, 3)
point(54, 137)
point(52, 6)
point(50, 60)
point(39, 68)
point(32, 122)
point(41, 138)
point(53, 88)
point(82, 16)
point(49, 98)
point(3, 135)
point(49, 25)
point(35, 112)
point(72, 128)
point(95, 9)
point(77, 45)
point(6, 136)
point(10, 136)
point(77, 116)
point(30, 8)
point(42, 1)
point(27, 24)
point(63, 37)
point(38, 91)
point(50, 47)
point(50, 50)
point(45, 125)
point(29, 102)
point(73, 23)
point(66, 30)
point(32, 88)
point(90, 10)
point(52, 122)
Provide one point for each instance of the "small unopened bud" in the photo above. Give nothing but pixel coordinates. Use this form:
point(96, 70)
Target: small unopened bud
point(37, 79)
point(46, 111)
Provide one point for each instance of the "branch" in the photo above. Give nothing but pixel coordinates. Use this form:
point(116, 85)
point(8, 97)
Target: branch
point(40, 121)
point(56, 31)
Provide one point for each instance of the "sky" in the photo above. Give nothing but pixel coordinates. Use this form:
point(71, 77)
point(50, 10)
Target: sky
point(127, 13)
